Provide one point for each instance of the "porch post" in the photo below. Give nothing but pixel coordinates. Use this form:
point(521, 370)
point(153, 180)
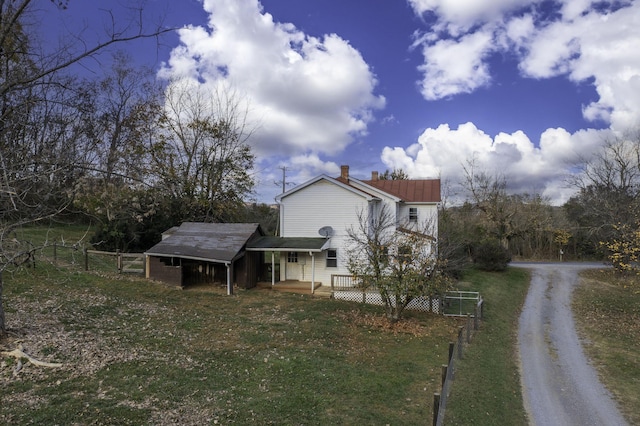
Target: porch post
point(313, 272)
point(229, 285)
point(273, 268)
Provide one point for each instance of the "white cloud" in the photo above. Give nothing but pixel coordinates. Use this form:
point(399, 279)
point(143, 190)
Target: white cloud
point(588, 45)
point(454, 67)
point(445, 152)
point(580, 41)
point(309, 94)
point(458, 16)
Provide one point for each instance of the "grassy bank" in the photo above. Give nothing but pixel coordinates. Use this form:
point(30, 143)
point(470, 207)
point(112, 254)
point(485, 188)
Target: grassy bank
point(607, 313)
point(135, 352)
point(486, 388)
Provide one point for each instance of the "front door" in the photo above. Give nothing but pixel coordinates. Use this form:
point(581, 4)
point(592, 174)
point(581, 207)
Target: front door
point(293, 268)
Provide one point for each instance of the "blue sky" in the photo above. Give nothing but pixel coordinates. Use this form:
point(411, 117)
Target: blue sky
point(524, 88)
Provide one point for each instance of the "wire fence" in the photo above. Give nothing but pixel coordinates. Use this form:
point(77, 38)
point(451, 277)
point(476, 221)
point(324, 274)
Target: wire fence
point(467, 304)
point(451, 303)
point(80, 257)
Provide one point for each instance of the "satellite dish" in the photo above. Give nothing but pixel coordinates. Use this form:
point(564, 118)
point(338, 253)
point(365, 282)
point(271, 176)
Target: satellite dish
point(326, 231)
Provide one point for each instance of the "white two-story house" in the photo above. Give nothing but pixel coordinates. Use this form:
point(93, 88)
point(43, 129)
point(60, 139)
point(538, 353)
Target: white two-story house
point(315, 218)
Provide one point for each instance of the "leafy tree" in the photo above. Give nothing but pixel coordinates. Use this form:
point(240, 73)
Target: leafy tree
point(400, 264)
point(624, 249)
point(266, 215)
point(122, 119)
point(458, 230)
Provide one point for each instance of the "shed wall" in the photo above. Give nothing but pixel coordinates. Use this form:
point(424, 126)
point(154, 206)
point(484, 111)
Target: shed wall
point(160, 271)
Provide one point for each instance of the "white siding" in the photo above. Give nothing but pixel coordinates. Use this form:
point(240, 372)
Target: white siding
point(427, 215)
point(326, 203)
point(323, 203)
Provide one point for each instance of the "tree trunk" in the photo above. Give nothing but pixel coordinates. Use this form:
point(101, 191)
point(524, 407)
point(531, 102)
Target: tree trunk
point(3, 328)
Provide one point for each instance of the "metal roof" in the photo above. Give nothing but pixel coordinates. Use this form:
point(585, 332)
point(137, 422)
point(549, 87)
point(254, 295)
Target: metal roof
point(410, 190)
point(287, 244)
point(214, 242)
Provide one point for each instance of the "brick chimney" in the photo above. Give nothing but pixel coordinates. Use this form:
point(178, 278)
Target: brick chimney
point(344, 172)
point(374, 176)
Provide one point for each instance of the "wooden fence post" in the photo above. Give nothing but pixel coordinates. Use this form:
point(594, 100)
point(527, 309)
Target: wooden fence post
point(451, 348)
point(468, 328)
point(86, 258)
point(443, 376)
point(460, 330)
point(436, 407)
point(118, 261)
point(475, 318)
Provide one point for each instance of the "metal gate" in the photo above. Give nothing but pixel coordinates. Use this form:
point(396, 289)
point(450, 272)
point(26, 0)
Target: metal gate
point(461, 303)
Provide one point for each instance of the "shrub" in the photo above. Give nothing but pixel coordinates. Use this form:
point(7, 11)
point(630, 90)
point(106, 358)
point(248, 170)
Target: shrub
point(491, 256)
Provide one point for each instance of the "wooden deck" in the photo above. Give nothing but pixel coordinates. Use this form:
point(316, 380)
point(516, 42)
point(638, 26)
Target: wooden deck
point(299, 287)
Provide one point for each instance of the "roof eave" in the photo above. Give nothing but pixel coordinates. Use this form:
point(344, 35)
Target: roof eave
point(310, 182)
point(201, 259)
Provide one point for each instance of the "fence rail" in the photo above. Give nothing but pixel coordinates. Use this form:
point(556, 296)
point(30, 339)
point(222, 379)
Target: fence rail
point(77, 254)
point(125, 262)
point(456, 352)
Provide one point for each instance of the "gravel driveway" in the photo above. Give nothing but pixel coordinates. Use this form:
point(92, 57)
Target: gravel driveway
point(560, 387)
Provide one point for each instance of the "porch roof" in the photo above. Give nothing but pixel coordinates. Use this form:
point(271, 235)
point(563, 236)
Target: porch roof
point(271, 243)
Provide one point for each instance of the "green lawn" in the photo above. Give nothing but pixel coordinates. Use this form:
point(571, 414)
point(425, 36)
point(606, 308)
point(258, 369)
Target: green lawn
point(136, 352)
point(486, 389)
point(607, 313)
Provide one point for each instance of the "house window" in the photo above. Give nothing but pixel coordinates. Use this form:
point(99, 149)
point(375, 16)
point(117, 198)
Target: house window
point(332, 258)
point(413, 214)
point(292, 257)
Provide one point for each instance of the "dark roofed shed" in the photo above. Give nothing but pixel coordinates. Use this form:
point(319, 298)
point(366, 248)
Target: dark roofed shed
point(202, 252)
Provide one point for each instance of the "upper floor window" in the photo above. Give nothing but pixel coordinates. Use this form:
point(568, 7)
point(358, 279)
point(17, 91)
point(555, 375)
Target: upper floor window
point(332, 258)
point(413, 214)
point(292, 257)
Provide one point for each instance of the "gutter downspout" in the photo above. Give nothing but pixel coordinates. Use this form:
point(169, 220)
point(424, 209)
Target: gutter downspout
point(229, 285)
point(273, 268)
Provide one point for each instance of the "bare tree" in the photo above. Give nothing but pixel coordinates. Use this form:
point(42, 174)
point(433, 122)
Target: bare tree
point(202, 155)
point(489, 195)
point(608, 200)
point(395, 174)
point(38, 162)
point(126, 102)
point(401, 264)
point(609, 185)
